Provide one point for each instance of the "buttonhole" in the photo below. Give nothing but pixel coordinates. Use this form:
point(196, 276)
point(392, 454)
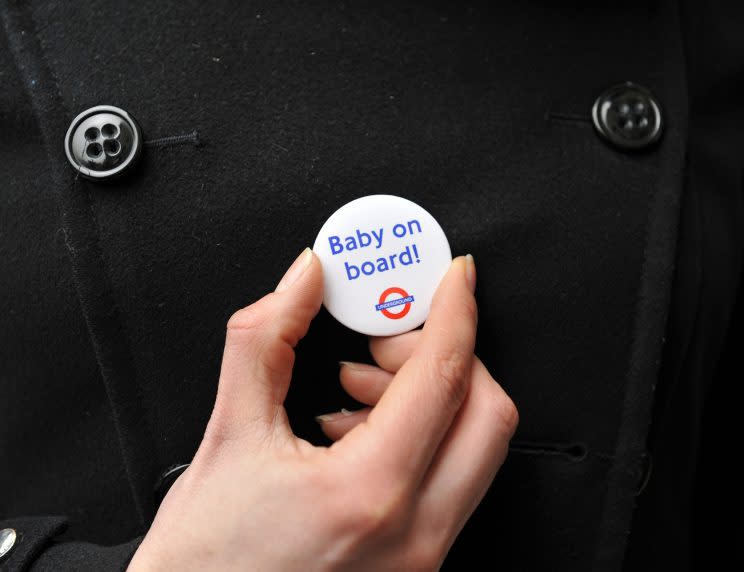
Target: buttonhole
point(574, 118)
point(573, 451)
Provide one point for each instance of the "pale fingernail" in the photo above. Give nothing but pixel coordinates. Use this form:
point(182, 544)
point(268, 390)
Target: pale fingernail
point(328, 417)
point(296, 270)
point(470, 271)
point(356, 366)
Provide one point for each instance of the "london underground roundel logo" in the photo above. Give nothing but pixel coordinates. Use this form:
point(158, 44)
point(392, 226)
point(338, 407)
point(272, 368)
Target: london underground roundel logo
point(384, 304)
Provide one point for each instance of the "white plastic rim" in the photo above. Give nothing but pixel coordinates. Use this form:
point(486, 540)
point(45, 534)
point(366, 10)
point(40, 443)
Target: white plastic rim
point(383, 257)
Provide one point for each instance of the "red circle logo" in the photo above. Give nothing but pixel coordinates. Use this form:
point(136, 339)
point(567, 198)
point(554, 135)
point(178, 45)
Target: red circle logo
point(406, 305)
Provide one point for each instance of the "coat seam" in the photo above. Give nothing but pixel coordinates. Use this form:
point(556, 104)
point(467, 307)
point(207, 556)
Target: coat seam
point(82, 242)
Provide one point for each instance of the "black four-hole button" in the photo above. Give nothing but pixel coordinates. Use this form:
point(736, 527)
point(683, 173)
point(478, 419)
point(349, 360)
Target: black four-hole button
point(628, 116)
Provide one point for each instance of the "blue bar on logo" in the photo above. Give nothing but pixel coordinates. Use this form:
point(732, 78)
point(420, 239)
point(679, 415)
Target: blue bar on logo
point(392, 303)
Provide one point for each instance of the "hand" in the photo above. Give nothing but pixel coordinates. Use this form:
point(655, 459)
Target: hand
point(391, 493)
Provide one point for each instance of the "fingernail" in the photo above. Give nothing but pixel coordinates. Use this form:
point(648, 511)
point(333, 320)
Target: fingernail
point(470, 271)
point(296, 270)
point(356, 366)
point(329, 417)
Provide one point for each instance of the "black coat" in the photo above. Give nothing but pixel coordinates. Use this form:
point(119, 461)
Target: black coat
point(114, 296)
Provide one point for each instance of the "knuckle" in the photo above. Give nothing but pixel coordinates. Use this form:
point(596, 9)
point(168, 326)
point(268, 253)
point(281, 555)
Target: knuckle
point(325, 484)
point(425, 555)
point(247, 321)
point(452, 370)
point(276, 357)
point(378, 513)
point(504, 411)
point(510, 415)
point(468, 308)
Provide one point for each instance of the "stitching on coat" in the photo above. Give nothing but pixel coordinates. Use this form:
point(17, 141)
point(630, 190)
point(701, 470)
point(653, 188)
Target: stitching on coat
point(192, 138)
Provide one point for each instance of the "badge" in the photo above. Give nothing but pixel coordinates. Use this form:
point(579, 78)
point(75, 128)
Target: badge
point(383, 258)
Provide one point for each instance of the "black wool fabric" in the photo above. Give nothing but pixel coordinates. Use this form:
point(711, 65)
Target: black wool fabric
point(114, 297)
point(85, 557)
point(695, 426)
point(33, 536)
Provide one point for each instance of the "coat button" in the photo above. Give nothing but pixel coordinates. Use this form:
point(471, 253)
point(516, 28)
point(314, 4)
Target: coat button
point(7, 541)
point(167, 479)
point(103, 142)
point(628, 116)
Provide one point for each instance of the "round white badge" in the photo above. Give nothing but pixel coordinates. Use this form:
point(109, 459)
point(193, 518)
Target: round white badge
point(383, 258)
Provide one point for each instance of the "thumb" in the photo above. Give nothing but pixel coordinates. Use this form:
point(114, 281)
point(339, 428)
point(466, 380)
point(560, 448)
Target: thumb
point(259, 354)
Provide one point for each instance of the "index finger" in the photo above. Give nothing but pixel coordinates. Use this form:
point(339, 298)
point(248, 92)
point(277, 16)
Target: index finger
point(403, 432)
